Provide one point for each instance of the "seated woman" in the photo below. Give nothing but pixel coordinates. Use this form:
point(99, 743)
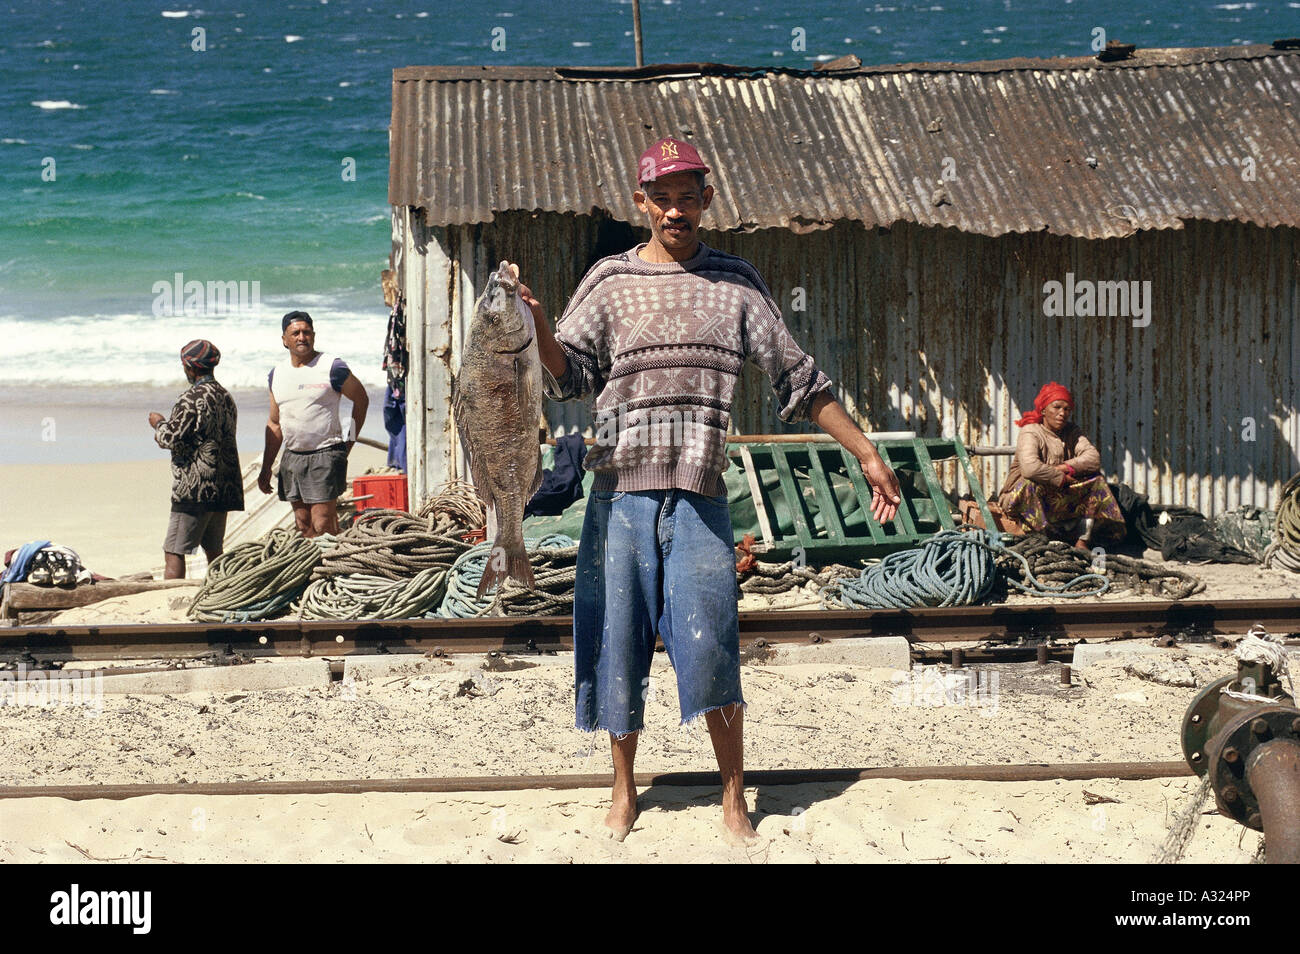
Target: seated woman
point(1055, 484)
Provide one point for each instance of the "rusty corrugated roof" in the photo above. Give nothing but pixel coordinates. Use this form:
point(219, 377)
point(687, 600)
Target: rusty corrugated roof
point(1071, 146)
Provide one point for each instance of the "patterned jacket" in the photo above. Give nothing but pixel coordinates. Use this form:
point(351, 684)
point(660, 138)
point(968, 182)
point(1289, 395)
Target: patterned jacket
point(205, 457)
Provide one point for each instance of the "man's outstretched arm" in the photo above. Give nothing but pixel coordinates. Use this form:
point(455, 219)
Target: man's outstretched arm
point(835, 421)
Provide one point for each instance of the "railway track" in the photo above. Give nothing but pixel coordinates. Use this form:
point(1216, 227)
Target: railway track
point(1070, 771)
point(536, 634)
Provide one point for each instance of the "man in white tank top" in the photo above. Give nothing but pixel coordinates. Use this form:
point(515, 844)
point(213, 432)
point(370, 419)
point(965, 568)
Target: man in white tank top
point(304, 418)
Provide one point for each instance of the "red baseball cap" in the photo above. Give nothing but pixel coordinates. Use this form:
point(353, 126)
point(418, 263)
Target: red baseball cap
point(666, 156)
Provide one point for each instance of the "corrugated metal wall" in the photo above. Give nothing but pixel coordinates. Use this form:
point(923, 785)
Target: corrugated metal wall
point(943, 332)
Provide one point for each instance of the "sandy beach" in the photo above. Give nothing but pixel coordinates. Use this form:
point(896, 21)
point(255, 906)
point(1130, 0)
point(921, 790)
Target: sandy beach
point(79, 467)
point(420, 721)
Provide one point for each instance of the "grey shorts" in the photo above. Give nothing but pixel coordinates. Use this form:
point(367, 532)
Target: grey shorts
point(186, 531)
point(311, 477)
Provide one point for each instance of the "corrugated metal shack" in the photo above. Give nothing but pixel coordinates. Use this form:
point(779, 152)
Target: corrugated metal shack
point(921, 209)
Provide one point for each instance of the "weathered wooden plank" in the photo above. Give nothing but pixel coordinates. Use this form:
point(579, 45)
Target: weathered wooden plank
point(27, 596)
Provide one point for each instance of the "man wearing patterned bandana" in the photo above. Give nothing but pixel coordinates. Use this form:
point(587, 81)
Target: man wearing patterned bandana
point(659, 335)
point(206, 479)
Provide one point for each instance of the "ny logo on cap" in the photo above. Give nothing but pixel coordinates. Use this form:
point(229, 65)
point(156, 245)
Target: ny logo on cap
point(669, 150)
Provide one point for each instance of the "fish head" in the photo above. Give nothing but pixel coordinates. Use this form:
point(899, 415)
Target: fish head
point(502, 322)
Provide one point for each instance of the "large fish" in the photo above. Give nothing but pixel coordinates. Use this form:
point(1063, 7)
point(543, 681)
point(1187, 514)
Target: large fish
point(497, 399)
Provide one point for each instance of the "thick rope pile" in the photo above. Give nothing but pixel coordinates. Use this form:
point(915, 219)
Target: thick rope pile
point(389, 544)
point(554, 561)
point(256, 580)
point(358, 596)
point(1040, 566)
point(392, 565)
point(454, 509)
point(959, 568)
point(771, 578)
point(1285, 548)
point(952, 568)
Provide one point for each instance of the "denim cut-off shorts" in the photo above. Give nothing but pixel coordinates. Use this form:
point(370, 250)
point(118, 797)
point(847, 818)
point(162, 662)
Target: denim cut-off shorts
point(654, 561)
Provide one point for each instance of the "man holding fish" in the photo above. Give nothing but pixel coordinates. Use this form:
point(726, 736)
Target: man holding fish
point(660, 333)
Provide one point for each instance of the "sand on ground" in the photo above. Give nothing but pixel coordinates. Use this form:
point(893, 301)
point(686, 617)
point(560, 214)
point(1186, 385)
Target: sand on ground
point(883, 820)
point(430, 718)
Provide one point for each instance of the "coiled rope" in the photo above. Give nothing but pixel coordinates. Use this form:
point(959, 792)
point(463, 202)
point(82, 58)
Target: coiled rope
point(359, 596)
point(1284, 551)
point(455, 508)
point(959, 568)
point(1041, 566)
point(952, 568)
point(554, 561)
point(1050, 568)
point(772, 578)
point(258, 579)
point(390, 544)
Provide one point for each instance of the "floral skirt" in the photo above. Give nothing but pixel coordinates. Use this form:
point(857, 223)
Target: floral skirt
point(1059, 511)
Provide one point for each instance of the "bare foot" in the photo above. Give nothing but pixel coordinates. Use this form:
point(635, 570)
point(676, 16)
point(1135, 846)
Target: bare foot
point(735, 821)
point(622, 814)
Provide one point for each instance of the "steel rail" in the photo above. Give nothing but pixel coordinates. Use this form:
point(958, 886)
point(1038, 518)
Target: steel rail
point(534, 634)
point(1037, 772)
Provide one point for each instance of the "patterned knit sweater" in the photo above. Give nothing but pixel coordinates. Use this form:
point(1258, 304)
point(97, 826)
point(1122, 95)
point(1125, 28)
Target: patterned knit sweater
point(662, 346)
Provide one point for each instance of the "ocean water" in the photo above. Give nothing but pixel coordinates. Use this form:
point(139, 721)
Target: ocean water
point(128, 154)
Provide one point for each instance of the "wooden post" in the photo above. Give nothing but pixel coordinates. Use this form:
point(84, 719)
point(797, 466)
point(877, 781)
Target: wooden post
point(636, 31)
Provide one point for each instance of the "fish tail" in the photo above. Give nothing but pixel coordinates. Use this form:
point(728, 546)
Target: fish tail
point(509, 562)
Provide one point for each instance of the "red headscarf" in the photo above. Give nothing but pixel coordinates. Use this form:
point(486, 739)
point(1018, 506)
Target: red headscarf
point(1051, 392)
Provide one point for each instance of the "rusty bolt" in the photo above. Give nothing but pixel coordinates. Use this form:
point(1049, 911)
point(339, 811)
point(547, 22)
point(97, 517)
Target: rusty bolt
point(1066, 679)
point(1230, 755)
point(1259, 728)
point(1295, 726)
point(1042, 655)
point(958, 657)
point(1230, 793)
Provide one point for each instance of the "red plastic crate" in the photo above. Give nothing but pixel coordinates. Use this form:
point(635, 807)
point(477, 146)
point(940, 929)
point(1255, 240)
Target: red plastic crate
point(383, 490)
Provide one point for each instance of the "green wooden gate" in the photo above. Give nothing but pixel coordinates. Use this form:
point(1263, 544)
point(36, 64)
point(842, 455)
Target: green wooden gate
point(813, 495)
